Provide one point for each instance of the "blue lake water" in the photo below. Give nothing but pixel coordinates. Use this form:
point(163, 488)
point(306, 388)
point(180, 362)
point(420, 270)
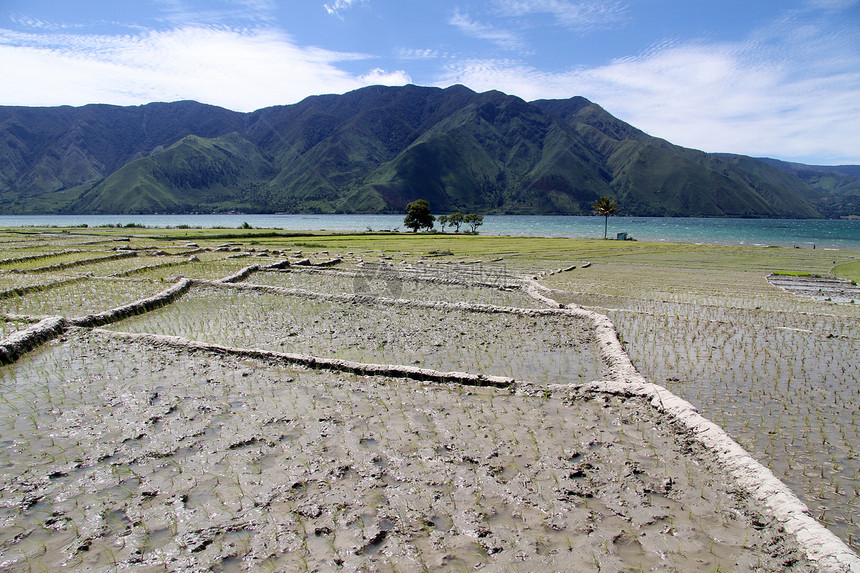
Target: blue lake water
point(803, 233)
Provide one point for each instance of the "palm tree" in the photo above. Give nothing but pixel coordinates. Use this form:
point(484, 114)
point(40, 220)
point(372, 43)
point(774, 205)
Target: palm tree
point(606, 207)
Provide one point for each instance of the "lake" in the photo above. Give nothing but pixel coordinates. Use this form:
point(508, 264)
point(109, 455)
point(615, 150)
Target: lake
point(802, 233)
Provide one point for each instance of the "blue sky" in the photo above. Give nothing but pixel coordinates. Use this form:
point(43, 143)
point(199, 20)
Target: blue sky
point(777, 78)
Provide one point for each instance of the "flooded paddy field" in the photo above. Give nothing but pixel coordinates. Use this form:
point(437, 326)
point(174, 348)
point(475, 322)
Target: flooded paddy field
point(778, 371)
point(487, 284)
point(128, 451)
point(78, 298)
point(819, 288)
point(51, 263)
point(548, 348)
point(197, 462)
point(213, 267)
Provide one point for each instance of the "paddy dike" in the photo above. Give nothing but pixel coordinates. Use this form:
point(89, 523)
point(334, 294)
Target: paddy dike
point(145, 449)
point(198, 460)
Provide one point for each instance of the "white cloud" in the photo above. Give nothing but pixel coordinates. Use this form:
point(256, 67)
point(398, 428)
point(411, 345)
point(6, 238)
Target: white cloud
point(580, 16)
point(239, 70)
point(420, 54)
point(502, 38)
point(378, 76)
point(183, 13)
point(28, 22)
point(583, 16)
point(339, 6)
point(778, 94)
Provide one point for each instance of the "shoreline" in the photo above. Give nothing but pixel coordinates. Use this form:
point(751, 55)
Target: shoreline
point(801, 233)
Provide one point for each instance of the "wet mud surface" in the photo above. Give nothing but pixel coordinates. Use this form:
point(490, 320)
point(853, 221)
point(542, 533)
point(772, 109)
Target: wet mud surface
point(776, 370)
point(136, 457)
point(545, 349)
point(142, 455)
point(819, 288)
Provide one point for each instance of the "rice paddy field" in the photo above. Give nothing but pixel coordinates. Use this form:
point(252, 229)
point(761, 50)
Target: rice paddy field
point(187, 436)
point(551, 349)
point(779, 372)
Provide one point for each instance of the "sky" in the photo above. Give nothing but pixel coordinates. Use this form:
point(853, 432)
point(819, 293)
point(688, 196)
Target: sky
point(767, 78)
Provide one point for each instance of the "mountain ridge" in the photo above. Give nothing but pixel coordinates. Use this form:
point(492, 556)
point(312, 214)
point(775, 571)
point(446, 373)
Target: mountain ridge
point(375, 149)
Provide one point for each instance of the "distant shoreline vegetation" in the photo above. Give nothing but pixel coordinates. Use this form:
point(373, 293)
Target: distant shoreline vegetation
point(841, 234)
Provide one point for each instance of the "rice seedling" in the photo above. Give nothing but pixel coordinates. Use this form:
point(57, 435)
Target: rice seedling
point(271, 438)
point(546, 349)
point(80, 297)
point(775, 370)
point(145, 456)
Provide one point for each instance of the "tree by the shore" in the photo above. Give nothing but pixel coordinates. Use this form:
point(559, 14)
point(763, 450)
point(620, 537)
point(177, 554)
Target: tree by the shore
point(474, 221)
point(455, 220)
point(418, 215)
point(606, 207)
point(458, 219)
point(443, 222)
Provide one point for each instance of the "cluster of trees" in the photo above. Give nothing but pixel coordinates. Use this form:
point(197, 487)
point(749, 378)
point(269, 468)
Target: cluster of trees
point(458, 219)
point(418, 217)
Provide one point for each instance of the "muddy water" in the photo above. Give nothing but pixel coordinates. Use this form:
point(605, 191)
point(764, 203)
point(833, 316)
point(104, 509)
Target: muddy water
point(137, 457)
point(401, 284)
point(819, 288)
point(783, 383)
point(8, 327)
point(545, 349)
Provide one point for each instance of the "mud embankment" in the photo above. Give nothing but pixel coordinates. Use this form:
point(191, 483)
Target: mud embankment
point(315, 362)
point(14, 346)
point(239, 276)
point(820, 546)
point(144, 305)
point(73, 264)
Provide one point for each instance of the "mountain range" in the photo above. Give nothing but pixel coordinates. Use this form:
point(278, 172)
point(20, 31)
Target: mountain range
point(376, 149)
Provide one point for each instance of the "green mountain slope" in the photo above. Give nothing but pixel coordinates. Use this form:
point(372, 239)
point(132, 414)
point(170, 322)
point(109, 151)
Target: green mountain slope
point(839, 185)
point(376, 149)
point(47, 155)
point(326, 145)
point(496, 155)
point(650, 176)
point(194, 174)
